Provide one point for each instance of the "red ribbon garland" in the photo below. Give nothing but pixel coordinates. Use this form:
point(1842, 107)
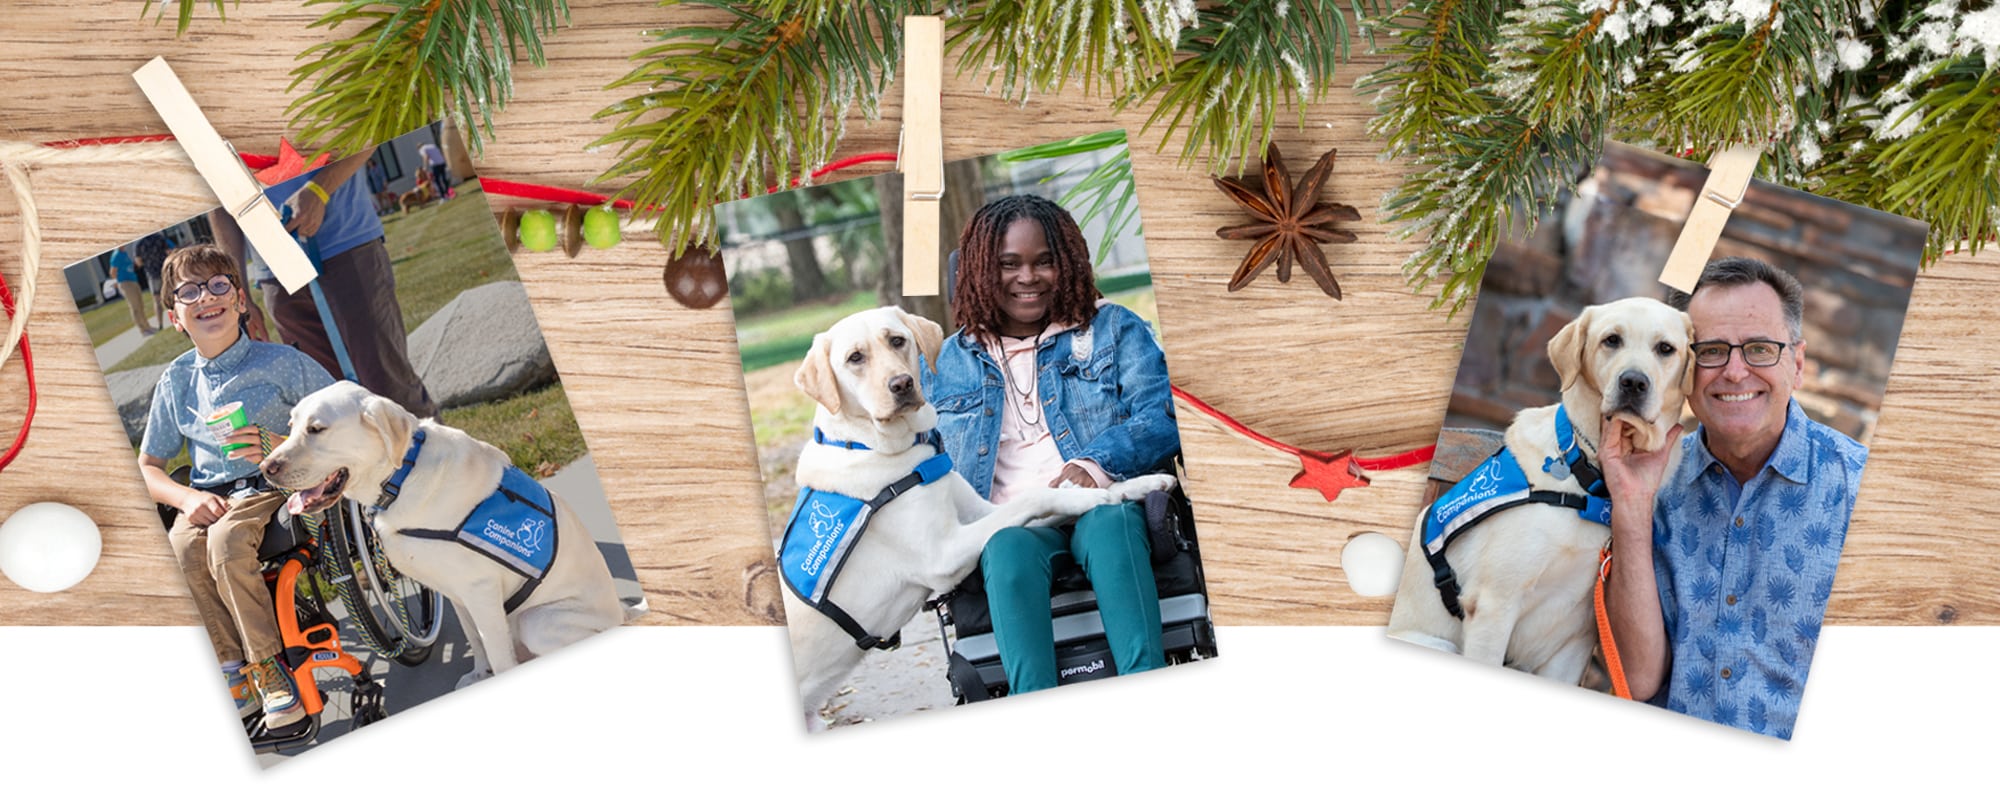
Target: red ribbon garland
point(1329, 473)
point(28, 368)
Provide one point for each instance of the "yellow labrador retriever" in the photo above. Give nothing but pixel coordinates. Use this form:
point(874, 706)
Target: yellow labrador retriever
point(1522, 579)
point(871, 427)
point(347, 442)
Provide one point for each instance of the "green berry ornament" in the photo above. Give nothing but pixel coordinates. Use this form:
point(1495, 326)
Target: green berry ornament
point(600, 227)
point(538, 230)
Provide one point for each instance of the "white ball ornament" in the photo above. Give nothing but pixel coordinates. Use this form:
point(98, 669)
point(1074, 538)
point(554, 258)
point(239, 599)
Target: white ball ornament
point(47, 547)
point(1373, 563)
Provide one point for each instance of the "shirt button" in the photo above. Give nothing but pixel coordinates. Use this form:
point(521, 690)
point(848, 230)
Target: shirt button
point(982, 450)
point(1739, 522)
point(1725, 673)
point(1731, 600)
point(989, 411)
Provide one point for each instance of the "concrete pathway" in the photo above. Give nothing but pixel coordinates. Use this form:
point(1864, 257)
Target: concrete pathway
point(111, 352)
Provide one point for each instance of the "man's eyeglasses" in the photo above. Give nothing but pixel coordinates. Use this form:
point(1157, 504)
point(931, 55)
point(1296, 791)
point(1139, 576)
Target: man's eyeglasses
point(220, 286)
point(1715, 354)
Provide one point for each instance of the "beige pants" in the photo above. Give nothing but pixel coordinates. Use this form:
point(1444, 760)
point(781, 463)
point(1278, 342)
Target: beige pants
point(135, 303)
point(220, 563)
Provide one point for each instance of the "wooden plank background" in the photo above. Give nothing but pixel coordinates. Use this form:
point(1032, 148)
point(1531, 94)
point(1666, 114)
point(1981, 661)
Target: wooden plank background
point(657, 387)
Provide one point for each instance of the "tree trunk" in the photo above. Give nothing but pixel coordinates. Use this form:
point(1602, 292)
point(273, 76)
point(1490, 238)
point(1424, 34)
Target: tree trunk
point(807, 281)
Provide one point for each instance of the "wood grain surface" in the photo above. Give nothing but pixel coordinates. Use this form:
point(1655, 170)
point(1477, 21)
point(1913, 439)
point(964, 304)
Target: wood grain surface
point(657, 387)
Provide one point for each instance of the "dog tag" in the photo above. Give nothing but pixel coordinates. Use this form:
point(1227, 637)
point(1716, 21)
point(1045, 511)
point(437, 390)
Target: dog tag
point(1556, 467)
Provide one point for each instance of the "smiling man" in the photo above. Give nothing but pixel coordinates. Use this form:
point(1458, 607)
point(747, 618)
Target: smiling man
point(1725, 561)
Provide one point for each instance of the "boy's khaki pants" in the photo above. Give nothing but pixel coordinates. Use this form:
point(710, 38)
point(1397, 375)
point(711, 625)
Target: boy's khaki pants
point(220, 563)
point(135, 303)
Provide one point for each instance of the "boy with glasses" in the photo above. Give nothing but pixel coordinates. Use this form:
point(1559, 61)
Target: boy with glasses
point(224, 508)
point(1725, 562)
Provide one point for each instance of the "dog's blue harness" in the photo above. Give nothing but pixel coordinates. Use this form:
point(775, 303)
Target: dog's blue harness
point(1499, 484)
point(515, 526)
point(825, 526)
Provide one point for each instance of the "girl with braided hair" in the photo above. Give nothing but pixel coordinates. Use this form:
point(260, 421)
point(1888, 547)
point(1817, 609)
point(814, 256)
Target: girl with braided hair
point(1048, 384)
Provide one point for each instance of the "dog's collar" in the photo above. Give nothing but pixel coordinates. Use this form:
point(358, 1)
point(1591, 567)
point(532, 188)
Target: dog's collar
point(1569, 444)
point(931, 437)
point(393, 485)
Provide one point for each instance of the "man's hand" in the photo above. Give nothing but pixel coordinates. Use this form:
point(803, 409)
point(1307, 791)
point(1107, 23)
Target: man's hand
point(1631, 475)
point(307, 212)
point(254, 323)
point(1075, 475)
point(203, 508)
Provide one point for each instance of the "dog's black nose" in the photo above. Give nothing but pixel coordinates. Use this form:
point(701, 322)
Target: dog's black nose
point(272, 467)
point(1632, 383)
point(901, 384)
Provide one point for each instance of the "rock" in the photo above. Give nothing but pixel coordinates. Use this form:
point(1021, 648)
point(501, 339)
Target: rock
point(483, 345)
point(132, 391)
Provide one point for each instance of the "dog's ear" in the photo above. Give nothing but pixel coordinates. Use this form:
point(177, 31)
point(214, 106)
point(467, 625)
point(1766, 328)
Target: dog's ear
point(930, 337)
point(392, 424)
point(1687, 359)
point(1567, 347)
point(815, 375)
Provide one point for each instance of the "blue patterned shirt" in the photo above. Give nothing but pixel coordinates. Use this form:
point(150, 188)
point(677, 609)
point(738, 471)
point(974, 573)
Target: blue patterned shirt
point(267, 378)
point(1745, 572)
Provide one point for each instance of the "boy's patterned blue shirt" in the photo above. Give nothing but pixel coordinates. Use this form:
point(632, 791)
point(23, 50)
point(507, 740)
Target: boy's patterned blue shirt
point(267, 378)
point(1745, 572)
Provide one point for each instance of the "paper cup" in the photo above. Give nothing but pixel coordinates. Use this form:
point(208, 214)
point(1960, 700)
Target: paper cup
point(224, 422)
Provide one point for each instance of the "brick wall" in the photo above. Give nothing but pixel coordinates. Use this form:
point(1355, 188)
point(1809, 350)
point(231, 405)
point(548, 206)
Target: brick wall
point(1609, 241)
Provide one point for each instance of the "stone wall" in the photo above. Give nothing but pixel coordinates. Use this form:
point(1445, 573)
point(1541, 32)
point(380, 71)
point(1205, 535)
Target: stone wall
point(1609, 241)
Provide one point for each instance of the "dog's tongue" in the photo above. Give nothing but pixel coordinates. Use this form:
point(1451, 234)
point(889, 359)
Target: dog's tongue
point(296, 504)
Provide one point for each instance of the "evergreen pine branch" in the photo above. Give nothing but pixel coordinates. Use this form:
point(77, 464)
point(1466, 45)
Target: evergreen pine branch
point(1948, 170)
point(1239, 61)
point(721, 112)
point(1437, 65)
point(406, 63)
point(184, 12)
point(1035, 46)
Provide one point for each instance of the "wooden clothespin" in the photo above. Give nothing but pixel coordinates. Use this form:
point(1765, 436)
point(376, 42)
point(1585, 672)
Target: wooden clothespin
point(226, 174)
point(920, 151)
point(1728, 180)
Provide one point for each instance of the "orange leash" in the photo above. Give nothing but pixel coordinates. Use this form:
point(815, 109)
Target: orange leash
point(1612, 665)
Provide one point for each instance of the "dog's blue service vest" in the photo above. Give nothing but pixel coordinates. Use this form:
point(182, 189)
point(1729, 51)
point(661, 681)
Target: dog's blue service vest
point(515, 526)
point(825, 526)
point(1499, 484)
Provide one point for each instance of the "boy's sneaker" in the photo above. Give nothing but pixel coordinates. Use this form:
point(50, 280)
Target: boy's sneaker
point(274, 685)
point(247, 700)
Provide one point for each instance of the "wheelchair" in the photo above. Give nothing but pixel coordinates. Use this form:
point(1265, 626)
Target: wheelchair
point(1082, 652)
point(311, 562)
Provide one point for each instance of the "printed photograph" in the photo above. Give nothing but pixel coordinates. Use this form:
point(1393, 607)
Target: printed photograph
point(374, 486)
point(1714, 442)
point(972, 495)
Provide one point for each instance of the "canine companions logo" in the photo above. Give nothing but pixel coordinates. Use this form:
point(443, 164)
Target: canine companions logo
point(524, 541)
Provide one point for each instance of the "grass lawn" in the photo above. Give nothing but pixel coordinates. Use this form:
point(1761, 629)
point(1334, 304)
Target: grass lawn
point(437, 251)
point(110, 320)
point(536, 429)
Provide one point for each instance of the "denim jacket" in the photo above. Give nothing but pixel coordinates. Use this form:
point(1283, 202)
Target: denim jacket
point(1105, 395)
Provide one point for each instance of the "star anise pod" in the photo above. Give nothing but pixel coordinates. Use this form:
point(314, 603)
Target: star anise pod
point(1291, 222)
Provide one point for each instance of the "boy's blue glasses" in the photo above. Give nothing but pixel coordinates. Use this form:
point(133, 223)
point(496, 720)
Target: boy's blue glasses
point(220, 286)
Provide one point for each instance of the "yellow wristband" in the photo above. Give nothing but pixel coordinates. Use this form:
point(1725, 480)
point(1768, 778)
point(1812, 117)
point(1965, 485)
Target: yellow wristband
point(314, 187)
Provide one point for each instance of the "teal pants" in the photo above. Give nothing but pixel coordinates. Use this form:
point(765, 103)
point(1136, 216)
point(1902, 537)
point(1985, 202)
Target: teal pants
point(1110, 546)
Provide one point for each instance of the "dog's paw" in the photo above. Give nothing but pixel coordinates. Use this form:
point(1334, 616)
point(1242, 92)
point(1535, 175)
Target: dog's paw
point(470, 677)
point(1136, 488)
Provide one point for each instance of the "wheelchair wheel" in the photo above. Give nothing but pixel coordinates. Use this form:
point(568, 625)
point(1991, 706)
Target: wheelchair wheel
point(398, 617)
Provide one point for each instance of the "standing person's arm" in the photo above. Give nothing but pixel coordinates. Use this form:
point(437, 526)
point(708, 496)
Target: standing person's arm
point(311, 209)
point(1632, 593)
